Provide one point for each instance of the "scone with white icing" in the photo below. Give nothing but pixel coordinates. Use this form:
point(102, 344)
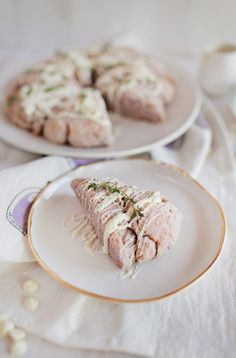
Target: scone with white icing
point(82, 122)
point(133, 226)
point(52, 99)
point(137, 90)
point(107, 57)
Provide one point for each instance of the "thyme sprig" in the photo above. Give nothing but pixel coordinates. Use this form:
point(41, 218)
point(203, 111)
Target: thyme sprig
point(11, 100)
point(29, 91)
point(82, 97)
point(137, 211)
point(53, 88)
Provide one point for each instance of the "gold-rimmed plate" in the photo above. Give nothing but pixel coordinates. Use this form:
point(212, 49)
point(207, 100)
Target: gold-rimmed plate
point(199, 245)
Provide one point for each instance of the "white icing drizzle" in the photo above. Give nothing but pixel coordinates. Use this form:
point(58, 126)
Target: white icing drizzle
point(121, 220)
point(79, 226)
point(129, 273)
point(118, 222)
point(159, 210)
point(147, 203)
point(56, 86)
point(82, 227)
point(71, 220)
point(128, 76)
point(79, 59)
point(63, 67)
point(92, 105)
point(108, 59)
point(124, 78)
point(129, 190)
point(98, 195)
point(56, 72)
point(114, 56)
point(40, 99)
point(108, 199)
point(116, 92)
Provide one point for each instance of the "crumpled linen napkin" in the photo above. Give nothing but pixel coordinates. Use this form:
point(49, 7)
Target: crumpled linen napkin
point(190, 150)
point(200, 321)
point(18, 187)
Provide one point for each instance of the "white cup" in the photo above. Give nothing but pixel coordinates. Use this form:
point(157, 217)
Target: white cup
point(218, 70)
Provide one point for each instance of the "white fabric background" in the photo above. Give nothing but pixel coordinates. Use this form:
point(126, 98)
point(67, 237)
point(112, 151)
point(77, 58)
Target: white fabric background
point(179, 26)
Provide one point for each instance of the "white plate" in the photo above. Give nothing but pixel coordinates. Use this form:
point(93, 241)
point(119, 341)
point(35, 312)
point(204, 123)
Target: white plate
point(200, 242)
point(131, 136)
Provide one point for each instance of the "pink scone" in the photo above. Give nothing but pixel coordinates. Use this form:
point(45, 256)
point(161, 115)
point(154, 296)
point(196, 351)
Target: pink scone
point(132, 225)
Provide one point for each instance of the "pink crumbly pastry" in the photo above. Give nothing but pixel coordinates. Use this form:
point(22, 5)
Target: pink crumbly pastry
point(67, 98)
point(133, 225)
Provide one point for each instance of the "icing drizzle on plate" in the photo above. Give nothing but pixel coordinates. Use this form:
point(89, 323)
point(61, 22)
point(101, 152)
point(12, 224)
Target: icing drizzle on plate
point(78, 225)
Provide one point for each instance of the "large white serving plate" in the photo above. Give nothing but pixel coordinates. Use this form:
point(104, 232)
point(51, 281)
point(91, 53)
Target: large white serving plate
point(130, 136)
point(199, 245)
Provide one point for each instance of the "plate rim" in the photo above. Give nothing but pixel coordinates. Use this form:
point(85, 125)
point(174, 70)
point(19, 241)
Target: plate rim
point(76, 152)
point(57, 277)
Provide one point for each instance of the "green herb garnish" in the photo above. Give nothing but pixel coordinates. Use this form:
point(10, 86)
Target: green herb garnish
point(60, 53)
point(114, 65)
point(28, 93)
point(126, 80)
point(93, 185)
point(106, 186)
point(82, 96)
point(54, 88)
point(29, 71)
point(137, 212)
point(11, 100)
point(125, 198)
